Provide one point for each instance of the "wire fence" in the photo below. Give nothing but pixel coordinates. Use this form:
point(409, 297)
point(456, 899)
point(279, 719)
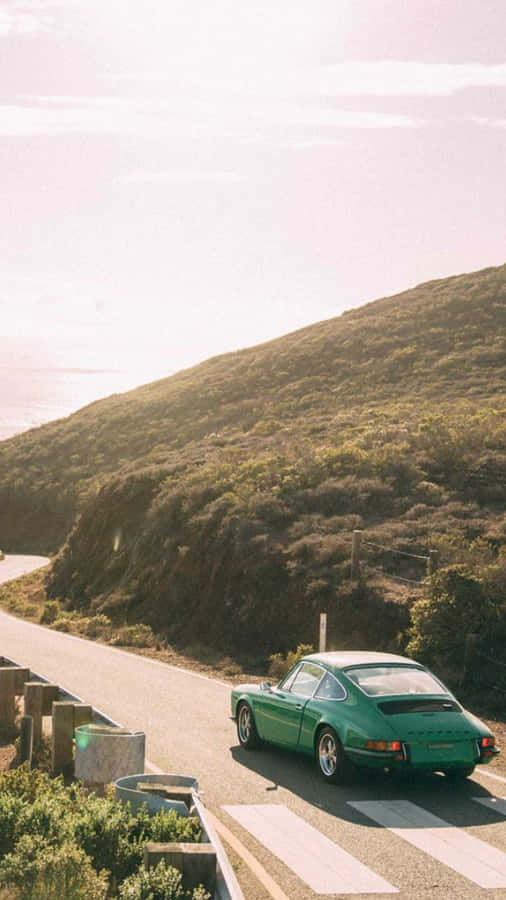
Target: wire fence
point(412, 575)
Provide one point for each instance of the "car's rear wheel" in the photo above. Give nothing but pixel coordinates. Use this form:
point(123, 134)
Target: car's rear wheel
point(246, 728)
point(331, 762)
point(459, 774)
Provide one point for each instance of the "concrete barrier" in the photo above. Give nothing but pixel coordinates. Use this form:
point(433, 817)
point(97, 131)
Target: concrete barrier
point(130, 790)
point(104, 753)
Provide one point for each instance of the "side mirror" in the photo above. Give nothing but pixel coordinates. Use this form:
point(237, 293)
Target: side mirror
point(266, 686)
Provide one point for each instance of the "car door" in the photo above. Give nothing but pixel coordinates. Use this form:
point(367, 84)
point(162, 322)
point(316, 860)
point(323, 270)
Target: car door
point(278, 712)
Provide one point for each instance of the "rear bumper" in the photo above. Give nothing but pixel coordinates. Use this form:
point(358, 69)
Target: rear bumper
point(428, 759)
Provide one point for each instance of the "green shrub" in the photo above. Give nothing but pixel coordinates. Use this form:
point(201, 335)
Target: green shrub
point(460, 603)
point(10, 810)
point(159, 883)
point(98, 626)
point(103, 828)
point(63, 623)
point(135, 636)
point(51, 612)
point(29, 784)
point(37, 870)
point(28, 610)
point(40, 815)
point(279, 665)
point(166, 827)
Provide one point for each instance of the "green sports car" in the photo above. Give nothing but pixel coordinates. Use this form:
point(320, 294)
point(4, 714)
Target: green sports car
point(374, 710)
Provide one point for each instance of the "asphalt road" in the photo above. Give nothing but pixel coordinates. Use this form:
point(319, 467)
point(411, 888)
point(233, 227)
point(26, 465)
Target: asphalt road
point(185, 717)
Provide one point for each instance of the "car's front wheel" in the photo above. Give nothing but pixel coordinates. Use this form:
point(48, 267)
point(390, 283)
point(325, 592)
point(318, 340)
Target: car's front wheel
point(331, 762)
point(246, 728)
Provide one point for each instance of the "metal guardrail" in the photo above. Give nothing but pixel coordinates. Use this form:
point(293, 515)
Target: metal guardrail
point(227, 886)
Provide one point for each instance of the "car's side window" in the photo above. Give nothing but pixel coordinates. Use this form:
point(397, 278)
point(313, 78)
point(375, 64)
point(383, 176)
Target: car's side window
point(330, 689)
point(288, 680)
point(307, 679)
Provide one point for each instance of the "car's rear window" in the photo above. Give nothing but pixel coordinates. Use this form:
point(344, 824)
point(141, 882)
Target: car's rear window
point(392, 680)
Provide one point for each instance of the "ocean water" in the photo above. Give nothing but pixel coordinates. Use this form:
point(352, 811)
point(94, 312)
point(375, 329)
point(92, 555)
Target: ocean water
point(41, 381)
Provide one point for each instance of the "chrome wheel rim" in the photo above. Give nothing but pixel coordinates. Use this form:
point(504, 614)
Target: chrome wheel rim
point(327, 755)
point(244, 724)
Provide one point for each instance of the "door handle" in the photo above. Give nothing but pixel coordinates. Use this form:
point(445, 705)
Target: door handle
point(298, 706)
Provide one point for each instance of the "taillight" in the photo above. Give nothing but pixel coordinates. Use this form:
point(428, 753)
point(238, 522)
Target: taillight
point(488, 741)
point(385, 746)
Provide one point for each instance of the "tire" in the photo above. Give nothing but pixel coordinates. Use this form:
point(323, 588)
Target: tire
point(459, 774)
point(332, 764)
point(246, 728)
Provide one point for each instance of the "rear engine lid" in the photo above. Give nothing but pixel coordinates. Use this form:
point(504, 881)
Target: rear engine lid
point(419, 705)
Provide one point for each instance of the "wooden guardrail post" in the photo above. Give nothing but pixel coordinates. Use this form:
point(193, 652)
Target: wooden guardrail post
point(33, 708)
point(197, 862)
point(26, 741)
point(7, 697)
point(39, 698)
point(355, 553)
point(83, 714)
point(62, 744)
point(67, 716)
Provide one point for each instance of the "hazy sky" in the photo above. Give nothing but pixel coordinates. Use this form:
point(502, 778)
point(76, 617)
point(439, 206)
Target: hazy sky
point(181, 178)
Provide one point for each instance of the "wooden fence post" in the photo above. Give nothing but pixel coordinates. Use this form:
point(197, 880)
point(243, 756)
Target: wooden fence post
point(433, 562)
point(323, 632)
point(355, 553)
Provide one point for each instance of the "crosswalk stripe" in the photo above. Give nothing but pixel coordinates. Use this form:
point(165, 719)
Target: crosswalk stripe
point(498, 804)
point(318, 861)
point(468, 856)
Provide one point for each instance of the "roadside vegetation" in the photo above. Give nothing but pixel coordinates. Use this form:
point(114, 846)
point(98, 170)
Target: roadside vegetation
point(60, 841)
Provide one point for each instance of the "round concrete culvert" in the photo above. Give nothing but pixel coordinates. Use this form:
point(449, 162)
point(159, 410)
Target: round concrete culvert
point(105, 753)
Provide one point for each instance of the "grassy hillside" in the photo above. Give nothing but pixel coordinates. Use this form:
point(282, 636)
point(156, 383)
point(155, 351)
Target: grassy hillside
point(217, 504)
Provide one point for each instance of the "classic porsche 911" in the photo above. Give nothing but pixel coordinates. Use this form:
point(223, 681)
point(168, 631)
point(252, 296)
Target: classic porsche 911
point(373, 710)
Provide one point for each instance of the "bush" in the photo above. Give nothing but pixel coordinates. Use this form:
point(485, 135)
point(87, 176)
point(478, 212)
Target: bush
point(166, 827)
point(40, 816)
point(102, 828)
point(37, 870)
point(63, 623)
point(51, 612)
point(135, 636)
point(159, 883)
point(10, 809)
point(98, 626)
point(458, 605)
point(279, 665)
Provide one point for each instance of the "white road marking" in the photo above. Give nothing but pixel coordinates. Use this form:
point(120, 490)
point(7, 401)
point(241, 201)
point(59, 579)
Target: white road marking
point(465, 854)
point(491, 775)
point(318, 861)
point(498, 804)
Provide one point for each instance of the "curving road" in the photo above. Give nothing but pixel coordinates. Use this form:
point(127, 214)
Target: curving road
point(185, 717)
